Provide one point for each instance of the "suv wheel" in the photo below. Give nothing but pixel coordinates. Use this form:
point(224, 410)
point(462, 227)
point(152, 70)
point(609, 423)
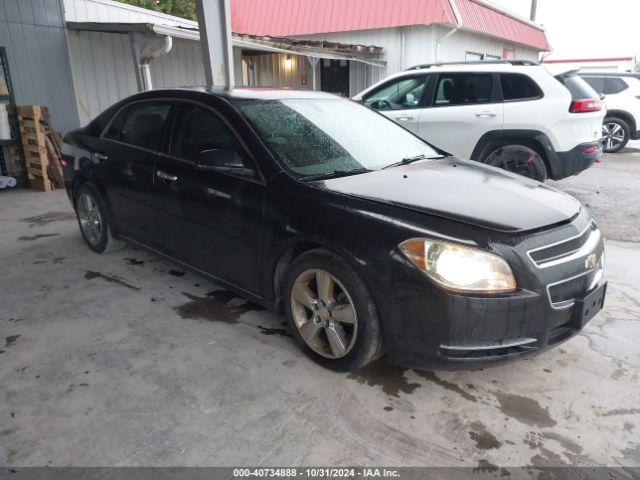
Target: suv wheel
point(615, 134)
point(518, 159)
point(331, 313)
point(92, 218)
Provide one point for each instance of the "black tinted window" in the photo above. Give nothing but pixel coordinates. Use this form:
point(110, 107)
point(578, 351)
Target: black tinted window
point(113, 132)
point(399, 94)
point(144, 123)
point(606, 85)
point(597, 83)
point(518, 87)
point(463, 88)
point(614, 85)
point(198, 129)
point(580, 90)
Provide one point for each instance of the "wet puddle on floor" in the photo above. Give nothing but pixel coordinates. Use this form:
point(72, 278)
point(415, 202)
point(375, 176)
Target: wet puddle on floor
point(216, 306)
point(49, 217)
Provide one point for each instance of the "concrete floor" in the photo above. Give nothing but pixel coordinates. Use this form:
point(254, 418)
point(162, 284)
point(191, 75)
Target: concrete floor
point(125, 359)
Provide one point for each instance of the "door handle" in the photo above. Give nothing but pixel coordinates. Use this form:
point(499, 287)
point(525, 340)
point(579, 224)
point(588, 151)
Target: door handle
point(405, 118)
point(486, 114)
point(100, 156)
point(166, 176)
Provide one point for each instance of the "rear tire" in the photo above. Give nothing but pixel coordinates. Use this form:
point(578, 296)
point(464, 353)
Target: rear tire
point(338, 325)
point(92, 217)
point(519, 159)
point(616, 134)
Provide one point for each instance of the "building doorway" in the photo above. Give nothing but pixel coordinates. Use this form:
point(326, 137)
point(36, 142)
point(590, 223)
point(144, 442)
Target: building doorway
point(334, 76)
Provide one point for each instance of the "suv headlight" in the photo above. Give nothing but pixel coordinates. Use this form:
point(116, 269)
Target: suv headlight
point(459, 267)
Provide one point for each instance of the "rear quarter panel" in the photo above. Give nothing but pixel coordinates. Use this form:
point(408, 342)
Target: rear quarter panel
point(551, 116)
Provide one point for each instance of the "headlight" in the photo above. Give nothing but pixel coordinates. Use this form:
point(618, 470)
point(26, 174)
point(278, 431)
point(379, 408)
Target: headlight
point(458, 267)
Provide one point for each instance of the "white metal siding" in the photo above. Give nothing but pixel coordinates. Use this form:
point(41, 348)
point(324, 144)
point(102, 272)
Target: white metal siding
point(408, 46)
point(454, 47)
point(111, 11)
point(182, 67)
point(33, 34)
point(104, 72)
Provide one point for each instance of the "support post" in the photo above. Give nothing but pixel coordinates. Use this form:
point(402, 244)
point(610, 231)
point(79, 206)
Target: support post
point(214, 23)
point(313, 61)
point(534, 10)
point(135, 48)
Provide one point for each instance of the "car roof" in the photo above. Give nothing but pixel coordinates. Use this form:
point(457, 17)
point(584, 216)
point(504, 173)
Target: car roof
point(246, 93)
point(476, 64)
point(589, 73)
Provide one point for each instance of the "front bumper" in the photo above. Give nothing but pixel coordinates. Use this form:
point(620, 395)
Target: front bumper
point(574, 161)
point(484, 330)
point(426, 327)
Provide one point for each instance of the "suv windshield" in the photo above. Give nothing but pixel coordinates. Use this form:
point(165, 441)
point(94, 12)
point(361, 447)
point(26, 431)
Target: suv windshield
point(315, 137)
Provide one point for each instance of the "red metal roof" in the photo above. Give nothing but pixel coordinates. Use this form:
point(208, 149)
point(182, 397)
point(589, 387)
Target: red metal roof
point(480, 17)
point(305, 17)
point(281, 18)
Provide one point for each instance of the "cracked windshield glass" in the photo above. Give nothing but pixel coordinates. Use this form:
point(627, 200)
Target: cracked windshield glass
point(315, 137)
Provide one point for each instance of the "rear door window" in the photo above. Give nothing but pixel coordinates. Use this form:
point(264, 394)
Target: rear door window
point(516, 86)
point(144, 124)
point(399, 94)
point(614, 85)
point(113, 131)
point(607, 85)
point(597, 83)
point(463, 89)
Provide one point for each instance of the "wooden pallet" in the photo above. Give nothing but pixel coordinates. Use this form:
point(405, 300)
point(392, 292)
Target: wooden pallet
point(14, 162)
point(41, 146)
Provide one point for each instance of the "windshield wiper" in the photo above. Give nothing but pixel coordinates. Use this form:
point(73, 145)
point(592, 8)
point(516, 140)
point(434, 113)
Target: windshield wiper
point(335, 174)
point(407, 161)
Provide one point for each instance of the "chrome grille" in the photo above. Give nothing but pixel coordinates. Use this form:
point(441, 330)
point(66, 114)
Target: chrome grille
point(556, 252)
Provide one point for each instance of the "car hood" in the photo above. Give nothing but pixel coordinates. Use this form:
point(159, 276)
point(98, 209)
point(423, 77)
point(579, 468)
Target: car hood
point(463, 191)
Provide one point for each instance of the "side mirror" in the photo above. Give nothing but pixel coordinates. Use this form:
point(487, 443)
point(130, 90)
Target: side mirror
point(602, 96)
point(221, 160)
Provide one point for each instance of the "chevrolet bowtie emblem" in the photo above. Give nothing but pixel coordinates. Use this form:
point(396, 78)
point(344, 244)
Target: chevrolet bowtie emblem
point(591, 261)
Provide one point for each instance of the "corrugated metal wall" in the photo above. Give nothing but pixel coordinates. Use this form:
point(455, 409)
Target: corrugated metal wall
point(110, 11)
point(33, 33)
point(454, 47)
point(273, 70)
point(102, 64)
point(104, 72)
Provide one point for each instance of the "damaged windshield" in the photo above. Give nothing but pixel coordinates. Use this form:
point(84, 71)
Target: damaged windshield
point(316, 137)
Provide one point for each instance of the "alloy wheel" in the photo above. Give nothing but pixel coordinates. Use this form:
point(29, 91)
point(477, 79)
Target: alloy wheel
point(324, 313)
point(613, 135)
point(91, 222)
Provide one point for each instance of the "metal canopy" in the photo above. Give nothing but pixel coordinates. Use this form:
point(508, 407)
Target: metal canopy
point(308, 48)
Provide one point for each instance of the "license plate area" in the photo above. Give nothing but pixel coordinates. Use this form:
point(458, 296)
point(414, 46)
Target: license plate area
point(589, 306)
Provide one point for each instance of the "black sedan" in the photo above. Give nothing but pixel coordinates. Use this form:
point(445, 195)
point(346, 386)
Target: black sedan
point(370, 240)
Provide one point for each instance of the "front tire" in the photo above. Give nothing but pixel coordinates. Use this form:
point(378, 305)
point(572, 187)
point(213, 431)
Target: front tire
point(518, 159)
point(93, 221)
point(616, 133)
point(331, 312)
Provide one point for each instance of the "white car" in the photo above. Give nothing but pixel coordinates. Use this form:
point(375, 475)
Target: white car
point(622, 98)
point(510, 114)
